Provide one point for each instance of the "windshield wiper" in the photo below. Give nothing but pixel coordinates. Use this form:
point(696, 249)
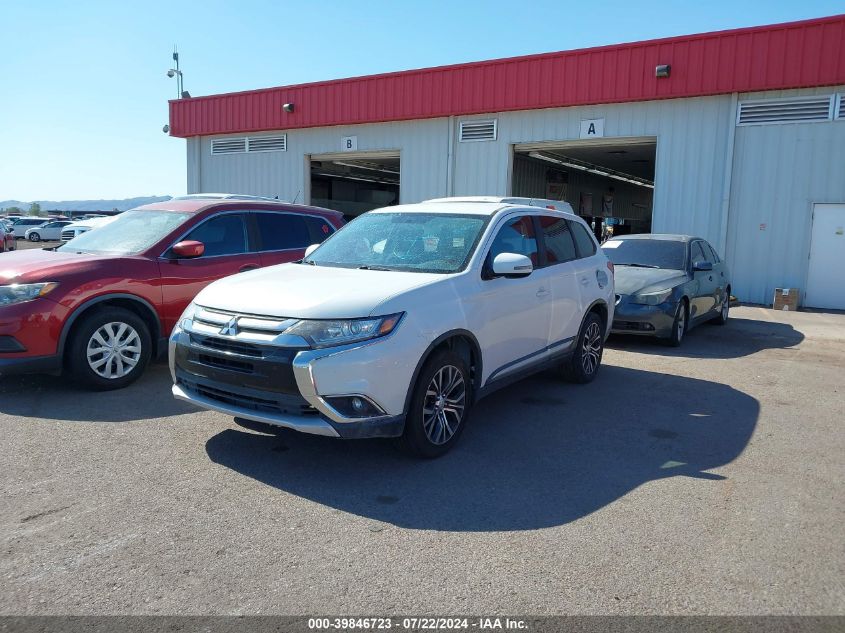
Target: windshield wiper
point(639, 265)
point(365, 267)
point(307, 262)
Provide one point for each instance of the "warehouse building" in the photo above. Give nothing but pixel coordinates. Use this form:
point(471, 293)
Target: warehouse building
point(736, 136)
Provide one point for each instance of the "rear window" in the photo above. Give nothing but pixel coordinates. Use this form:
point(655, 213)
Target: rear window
point(583, 239)
point(282, 231)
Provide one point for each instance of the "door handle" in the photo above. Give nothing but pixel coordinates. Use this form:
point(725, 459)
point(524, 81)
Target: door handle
point(247, 267)
point(585, 281)
point(542, 292)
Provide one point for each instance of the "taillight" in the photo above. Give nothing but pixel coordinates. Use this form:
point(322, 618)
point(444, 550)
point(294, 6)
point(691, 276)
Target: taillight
point(610, 266)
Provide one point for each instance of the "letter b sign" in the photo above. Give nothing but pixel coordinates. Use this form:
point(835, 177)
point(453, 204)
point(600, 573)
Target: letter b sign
point(348, 143)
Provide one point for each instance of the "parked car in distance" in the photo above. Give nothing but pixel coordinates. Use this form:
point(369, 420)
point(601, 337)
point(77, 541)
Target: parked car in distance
point(667, 284)
point(7, 239)
point(73, 229)
point(49, 231)
point(100, 306)
point(399, 322)
point(22, 224)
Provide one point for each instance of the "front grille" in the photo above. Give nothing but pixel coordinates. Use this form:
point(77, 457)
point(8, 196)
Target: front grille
point(267, 403)
point(228, 345)
point(225, 363)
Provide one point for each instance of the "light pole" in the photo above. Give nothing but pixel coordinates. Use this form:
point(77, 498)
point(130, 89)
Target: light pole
point(175, 72)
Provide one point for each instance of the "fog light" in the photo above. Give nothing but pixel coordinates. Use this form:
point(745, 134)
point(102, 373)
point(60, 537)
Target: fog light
point(354, 406)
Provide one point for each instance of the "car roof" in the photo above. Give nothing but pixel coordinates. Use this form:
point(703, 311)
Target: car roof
point(479, 205)
point(667, 237)
point(197, 204)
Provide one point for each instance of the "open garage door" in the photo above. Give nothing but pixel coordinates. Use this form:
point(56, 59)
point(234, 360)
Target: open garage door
point(609, 182)
point(355, 183)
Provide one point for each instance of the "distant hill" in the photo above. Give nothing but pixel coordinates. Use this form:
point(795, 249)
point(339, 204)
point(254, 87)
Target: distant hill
point(84, 205)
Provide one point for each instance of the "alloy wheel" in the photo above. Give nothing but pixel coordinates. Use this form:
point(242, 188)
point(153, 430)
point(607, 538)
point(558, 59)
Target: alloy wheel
point(591, 349)
point(726, 306)
point(682, 321)
point(443, 405)
point(114, 350)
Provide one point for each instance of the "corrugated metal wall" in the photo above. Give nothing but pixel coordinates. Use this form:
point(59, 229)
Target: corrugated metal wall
point(779, 172)
point(692, 141)
point(422, 146)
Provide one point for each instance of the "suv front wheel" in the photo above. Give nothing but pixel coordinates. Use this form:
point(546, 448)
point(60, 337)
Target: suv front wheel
point(439, 406)
point(109, 349)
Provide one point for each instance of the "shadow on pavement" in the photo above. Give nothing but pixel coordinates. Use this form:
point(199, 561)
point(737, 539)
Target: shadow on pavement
point(540, 453)
point(740, 337)
point(59, 398)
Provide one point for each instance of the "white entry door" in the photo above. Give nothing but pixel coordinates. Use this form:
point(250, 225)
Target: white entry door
point(826, 276)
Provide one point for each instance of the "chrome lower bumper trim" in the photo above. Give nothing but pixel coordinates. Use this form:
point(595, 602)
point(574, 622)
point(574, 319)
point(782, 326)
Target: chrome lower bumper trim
point(305, 424)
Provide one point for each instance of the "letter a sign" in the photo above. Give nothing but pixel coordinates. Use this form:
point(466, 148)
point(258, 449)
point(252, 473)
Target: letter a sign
point(592, 128)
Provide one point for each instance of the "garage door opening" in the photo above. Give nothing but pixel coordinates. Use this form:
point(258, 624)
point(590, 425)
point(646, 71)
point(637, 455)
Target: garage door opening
point(355, 184)
point(608, 183)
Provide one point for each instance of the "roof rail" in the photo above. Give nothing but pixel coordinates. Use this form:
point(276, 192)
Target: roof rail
point(223, 196)
point(557, 205)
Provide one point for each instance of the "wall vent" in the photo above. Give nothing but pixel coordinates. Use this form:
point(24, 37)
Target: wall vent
point(267, 143)
point(805, 109)
point(228, 145)
point(478, 130)
point(840, 107)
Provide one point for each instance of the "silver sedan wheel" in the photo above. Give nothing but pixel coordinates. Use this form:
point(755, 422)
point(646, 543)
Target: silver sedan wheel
point(726, 306)
point(443, 405)
point(114, 350)
point(591, 349)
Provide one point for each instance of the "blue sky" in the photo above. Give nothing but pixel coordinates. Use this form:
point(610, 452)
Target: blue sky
point(83, 90)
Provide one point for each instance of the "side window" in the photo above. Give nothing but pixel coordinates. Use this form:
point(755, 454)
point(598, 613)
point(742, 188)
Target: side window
point(710, 253)
point(583, 240)
point(319, 228)
point(282, 231)
point(516, 236)
point(697, 253)
point(557, 238)
point(221, 235)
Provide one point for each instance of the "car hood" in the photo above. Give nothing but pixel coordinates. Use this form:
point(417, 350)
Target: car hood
point(35, 265)
point(310, 292)
point(631, 280)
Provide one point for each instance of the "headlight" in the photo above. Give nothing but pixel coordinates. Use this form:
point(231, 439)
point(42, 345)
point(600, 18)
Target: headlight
point(343, 331)
point(652, 298)
point(187, 317)
point(18, 293)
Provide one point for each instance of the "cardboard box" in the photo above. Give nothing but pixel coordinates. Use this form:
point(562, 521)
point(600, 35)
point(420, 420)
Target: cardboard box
point(786, 299)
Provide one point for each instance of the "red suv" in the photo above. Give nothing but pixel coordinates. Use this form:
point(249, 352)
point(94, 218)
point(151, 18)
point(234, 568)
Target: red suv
point(103, 304)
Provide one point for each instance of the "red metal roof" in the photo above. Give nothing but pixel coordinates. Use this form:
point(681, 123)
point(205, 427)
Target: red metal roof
point(792, 55)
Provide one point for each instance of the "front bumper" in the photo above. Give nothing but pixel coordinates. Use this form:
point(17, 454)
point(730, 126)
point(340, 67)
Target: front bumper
point(276, 385)
point(29, 336)
point(644, 320)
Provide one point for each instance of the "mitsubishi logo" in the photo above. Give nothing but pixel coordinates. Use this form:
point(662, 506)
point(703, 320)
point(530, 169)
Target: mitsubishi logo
point(231, 328)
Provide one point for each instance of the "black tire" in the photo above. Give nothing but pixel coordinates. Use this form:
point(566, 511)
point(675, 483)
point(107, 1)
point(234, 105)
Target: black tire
point(34, 237)
point(584, 364)
point(680, 325)
point(422, 436)
point(724, 309)
point(112, 318)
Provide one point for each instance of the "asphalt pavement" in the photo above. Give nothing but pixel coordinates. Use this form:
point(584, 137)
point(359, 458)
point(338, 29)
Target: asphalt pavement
point(701, 480)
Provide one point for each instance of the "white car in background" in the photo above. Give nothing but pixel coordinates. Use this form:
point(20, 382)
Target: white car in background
point(49, 231)
point(83, 226)
point(400, 321)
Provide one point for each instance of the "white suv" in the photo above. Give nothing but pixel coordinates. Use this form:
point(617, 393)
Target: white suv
point(400, 321)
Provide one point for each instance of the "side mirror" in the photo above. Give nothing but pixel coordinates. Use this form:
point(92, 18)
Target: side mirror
point(188, 249)
point(702, 266)
point(311, 249)
point(512, 266)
